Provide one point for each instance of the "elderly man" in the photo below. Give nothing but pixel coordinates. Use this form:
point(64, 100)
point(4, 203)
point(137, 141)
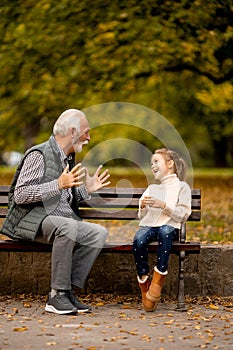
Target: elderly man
point(43, 206)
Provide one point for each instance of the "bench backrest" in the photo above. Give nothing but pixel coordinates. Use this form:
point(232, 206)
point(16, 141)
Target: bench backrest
point(112, 203)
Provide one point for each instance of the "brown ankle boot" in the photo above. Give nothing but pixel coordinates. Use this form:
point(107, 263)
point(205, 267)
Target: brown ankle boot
point(144, 287)
point(153, 295)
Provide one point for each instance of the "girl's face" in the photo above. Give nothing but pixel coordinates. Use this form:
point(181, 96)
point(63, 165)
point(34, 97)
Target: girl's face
point(160, 167)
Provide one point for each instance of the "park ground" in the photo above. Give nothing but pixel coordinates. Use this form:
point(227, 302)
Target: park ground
point(117, 323)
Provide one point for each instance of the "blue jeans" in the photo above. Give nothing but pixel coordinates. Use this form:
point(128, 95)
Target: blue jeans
point(144, 236)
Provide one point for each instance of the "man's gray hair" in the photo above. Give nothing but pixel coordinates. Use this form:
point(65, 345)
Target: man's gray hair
point(67, 120)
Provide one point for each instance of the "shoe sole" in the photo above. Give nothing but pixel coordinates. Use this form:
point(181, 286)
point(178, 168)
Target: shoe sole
point(51, 308)
point(81, 311)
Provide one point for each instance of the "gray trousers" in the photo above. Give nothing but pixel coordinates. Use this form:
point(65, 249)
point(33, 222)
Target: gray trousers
point(76, 245)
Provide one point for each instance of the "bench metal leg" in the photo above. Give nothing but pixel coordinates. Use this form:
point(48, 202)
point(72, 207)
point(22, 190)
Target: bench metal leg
point(181, 304)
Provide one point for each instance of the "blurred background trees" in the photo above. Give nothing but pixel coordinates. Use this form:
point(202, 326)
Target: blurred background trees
point(175, 57)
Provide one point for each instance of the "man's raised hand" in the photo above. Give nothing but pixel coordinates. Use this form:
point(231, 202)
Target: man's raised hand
point(97, 181)
point(71, 178)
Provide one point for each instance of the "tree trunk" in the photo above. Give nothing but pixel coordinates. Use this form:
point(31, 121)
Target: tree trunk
point(220, 152)
point(29, 132)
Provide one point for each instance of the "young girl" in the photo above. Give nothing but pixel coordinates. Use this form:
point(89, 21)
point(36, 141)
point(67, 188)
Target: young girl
point(162, 209)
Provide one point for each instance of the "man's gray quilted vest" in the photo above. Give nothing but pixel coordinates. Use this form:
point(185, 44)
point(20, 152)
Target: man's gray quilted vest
point(23, 221)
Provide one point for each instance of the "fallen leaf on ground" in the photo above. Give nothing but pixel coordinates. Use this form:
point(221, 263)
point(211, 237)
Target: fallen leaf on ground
point(20, 329)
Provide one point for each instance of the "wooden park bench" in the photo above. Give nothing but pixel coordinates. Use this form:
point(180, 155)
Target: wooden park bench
point(115, 204)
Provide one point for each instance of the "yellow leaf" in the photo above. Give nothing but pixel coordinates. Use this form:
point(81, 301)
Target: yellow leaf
point(197, 327)
point(169, 322)
point(20, 329)
point(126, 307)
point(100, 304)
point(133, 333)
point(214, 307)
point(27, 305)
point(188, 337)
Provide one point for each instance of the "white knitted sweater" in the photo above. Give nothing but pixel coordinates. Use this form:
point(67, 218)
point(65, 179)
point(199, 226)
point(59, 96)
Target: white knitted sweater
point(177, 196)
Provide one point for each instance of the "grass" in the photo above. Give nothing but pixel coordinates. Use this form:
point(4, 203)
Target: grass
point(217, 209)
point(217, 203)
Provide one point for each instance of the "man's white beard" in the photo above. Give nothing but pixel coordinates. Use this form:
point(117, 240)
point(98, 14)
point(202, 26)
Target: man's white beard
point(78, 148)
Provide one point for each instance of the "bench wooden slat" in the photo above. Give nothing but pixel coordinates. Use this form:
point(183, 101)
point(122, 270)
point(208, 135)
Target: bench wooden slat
point(104, 214)
point(188, 247)
point(111, 192)
point(119, 192)
point(123, 214)
point(3, 200)
point(93, 214)
point(3, 212)
point(25, 246)
point(98, 202)
point(4, 189)
point(195, 216)
point(113, 203)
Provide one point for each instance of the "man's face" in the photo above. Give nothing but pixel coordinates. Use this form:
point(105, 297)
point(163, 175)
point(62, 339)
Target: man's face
point(84, 138)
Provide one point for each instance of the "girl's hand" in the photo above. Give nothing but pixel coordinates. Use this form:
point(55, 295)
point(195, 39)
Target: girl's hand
point(152, 202)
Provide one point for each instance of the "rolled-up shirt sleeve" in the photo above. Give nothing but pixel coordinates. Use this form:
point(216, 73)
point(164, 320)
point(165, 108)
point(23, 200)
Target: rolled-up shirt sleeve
point(28, 187)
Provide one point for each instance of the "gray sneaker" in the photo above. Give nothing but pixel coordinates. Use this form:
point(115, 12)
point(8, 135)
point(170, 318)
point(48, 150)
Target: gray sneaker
point(81, 308)
point(60, 304)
